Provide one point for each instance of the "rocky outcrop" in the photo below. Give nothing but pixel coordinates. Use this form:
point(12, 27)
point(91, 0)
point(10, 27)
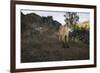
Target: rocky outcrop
point(33, 21)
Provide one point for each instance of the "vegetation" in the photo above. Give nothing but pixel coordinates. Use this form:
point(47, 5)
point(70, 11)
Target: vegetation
point(81, 32)
point(72, 18)
point(39, 41)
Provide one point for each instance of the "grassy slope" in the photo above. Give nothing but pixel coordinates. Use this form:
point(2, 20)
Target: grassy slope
point(46, 47)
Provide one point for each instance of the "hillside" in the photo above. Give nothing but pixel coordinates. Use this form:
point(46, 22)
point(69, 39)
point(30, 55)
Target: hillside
point(32, 21)
point(39, 42)
point(85, 25)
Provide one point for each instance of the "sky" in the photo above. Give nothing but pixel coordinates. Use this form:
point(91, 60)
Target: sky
point(59, 16)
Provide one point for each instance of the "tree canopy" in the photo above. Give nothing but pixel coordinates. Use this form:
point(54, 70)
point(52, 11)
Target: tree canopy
point(71, 18)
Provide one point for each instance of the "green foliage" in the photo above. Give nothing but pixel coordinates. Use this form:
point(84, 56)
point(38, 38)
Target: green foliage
point(81, 32)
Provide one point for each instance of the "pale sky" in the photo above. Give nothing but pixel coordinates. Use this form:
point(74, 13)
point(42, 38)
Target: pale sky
point(59, 16)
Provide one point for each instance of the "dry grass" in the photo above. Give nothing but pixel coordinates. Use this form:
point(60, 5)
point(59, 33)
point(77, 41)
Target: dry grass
point(46, 47)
